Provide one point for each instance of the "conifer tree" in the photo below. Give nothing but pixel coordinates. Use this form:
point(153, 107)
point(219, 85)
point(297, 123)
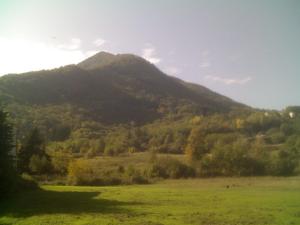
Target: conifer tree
point(34, 145)
point(7, 172)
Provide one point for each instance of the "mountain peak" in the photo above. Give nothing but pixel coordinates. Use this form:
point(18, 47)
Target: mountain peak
point(102, 59)
point(96, 61)
point(102, 55)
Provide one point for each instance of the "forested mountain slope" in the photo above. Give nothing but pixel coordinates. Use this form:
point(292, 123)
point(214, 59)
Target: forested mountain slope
point(113, 89)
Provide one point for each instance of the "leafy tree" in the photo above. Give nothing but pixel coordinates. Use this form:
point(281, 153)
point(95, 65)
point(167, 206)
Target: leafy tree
point(195, 148)
point(282, 163)
point(230, 159)
point(286, 161)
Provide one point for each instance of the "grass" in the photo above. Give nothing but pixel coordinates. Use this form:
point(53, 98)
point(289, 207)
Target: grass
point(222, 201)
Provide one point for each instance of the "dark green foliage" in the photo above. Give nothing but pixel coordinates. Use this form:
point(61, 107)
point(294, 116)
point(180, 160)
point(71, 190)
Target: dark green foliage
point(60, 133)
point(39, 164)
point(7, 171)
point(9, 180)
point(282, 164)
point(6, 142)
point(32, 156)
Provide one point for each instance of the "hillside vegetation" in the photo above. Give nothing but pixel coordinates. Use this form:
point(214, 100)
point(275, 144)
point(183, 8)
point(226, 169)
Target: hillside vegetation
point(68, 120)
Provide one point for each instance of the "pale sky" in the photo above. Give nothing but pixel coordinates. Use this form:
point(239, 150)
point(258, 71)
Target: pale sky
point(246, 50)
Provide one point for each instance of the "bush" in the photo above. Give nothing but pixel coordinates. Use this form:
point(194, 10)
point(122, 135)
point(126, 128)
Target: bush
point(283, 164)
point(208, 166)
point(26, 182)
point(134, 176)
point(168, 167)
point(91, 172)
point(80, 172)
point(233, 159)
point(60, 161)
point(39, 164)
point(275, 136)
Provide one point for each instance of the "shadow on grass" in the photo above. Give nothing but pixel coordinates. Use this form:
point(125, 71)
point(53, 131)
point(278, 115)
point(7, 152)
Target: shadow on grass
point(51, 202)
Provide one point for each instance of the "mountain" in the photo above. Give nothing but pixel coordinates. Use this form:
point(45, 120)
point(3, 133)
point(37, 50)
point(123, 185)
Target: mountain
point(116, 105)
point(107, 89)
point(97, 61)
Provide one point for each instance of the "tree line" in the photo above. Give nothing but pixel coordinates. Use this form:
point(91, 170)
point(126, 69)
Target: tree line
point(236, 144)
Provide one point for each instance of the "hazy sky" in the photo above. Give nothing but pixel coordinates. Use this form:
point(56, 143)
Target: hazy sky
point(248, 50)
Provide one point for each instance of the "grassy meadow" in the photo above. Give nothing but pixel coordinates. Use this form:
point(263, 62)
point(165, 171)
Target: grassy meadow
point(222, 201)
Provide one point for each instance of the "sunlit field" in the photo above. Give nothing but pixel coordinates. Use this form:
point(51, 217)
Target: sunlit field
point(222, 201)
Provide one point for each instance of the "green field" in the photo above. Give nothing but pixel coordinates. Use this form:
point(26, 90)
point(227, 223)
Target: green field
point(232, 201)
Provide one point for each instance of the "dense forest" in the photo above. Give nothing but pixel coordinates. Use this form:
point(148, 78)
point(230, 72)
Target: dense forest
point(115, 119)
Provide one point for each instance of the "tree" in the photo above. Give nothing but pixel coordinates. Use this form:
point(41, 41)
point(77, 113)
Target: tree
point(34, 144)
point(283, 163)
point(195, 147)
point(287, 160)
point(7, 172)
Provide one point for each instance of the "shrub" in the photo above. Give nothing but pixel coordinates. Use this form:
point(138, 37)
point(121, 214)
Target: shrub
point(80, 172)
point(39, 164)
point(208, 166)
point(275, 136)
point(168, 167)
point(233, 159)
point(138, 179)
point(91, 172)
point(60, 161)
point(26, 182)
point(282, 163)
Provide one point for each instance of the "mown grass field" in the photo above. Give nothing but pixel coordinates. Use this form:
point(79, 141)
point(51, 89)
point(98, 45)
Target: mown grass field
point(230, 201)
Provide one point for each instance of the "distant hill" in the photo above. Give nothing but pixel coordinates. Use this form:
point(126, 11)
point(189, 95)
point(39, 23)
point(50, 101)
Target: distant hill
point(113, 89)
